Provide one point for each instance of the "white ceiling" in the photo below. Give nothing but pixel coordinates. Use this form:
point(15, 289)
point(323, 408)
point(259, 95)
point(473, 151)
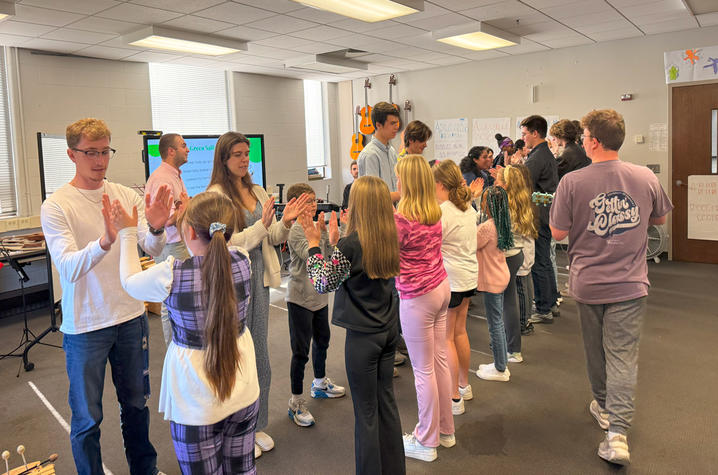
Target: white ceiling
point(281, 29)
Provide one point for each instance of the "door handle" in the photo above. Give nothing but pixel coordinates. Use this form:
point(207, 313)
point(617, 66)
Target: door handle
point(679, 183)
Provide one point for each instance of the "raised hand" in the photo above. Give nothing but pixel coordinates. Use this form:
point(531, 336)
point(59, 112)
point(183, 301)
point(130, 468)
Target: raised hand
point(344, 216)
point(320, 221)
point(294, 208)
point(311, 231)
point(110, 235)
point(157, 211)
point(477, 187)
point(120, 218)
point(333, 229)
point(268, 212)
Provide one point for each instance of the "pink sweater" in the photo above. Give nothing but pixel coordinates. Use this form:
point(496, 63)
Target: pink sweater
point(493, 271)
point(421, 267)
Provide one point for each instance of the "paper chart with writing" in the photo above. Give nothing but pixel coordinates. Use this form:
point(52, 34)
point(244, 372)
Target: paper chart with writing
point(694, 64)
point(658, 137)
point(484, 131)
point(451, 139)
point(703, 207)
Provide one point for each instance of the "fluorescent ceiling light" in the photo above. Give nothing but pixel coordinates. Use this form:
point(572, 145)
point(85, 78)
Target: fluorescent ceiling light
point(476, 36)
point(367, 10)
point(326, 63)
point(7, 9)
point(156, 37)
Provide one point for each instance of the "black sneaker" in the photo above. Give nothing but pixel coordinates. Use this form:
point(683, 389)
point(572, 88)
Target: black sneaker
point(527, 330)
point(541, 318)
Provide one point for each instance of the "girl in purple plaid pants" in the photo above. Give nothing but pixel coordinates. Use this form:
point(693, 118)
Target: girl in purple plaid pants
point(209, 380)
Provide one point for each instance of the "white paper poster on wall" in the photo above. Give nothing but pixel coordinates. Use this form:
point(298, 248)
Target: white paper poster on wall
point(703, 207)
point(484, 131)
point(694, 64)
point(658, 137)
point(451, 139)
point(550, 120)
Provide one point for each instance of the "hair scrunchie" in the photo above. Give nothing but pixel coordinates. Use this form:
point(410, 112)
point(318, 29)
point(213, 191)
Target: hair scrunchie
point(214, 227)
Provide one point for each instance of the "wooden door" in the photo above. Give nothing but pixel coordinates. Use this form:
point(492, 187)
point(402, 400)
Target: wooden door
point(691, 155)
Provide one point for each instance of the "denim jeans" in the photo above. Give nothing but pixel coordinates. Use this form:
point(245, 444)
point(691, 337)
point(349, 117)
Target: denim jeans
point(494, 305)
point(86, 355)
point(542, 272)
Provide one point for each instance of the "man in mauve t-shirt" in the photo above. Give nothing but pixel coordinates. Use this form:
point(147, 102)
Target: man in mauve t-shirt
point(605, 209)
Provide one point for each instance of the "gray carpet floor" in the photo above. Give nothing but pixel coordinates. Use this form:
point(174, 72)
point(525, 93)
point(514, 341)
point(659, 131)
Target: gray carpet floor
point(536, 423)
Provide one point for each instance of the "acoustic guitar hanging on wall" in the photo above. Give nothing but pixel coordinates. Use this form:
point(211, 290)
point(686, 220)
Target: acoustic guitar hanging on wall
point(357, 138)
point(366, 126)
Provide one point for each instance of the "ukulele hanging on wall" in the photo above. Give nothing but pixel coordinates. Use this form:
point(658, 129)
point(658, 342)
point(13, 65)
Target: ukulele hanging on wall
point(366, 126)
point(357, 138)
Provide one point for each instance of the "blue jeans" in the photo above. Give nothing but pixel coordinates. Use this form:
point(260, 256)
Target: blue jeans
point(494, 305)
point(544, 280)
point(86, 355)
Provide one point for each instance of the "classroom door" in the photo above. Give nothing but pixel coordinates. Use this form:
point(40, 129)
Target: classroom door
point(694, 129)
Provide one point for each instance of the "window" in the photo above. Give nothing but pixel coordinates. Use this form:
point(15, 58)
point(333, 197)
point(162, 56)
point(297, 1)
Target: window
point(188, 100)
point(316, 129)
point(8, 196)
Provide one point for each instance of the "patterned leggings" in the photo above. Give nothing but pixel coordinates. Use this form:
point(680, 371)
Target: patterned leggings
point(226, 447)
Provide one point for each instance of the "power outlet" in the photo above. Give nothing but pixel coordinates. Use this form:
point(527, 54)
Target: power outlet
point(655, 168)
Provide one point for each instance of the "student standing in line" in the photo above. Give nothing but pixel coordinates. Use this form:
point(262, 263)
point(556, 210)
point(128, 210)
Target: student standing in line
point(424, 294)
point(174, 152)
point(458, 249)
point(415, 137)
point(258, 232)
point(361, 269)
point(493, 238)
point(379, 158)
point(209, 379)
point(354, 170)
point(308, 313)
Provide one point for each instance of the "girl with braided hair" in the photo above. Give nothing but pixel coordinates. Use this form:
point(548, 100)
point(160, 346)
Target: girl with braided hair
point(493, 237)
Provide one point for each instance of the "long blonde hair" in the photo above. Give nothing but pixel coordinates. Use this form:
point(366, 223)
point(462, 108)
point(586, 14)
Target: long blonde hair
point(221, 356)
point(448, 174)
point(371, 215)
point(418, 191)
point(523, 217)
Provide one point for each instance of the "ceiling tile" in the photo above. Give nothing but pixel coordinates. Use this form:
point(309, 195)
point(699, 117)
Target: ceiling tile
point(357, 26)
point(249, 59)
point(52, 45)
point(482, 55)
point(199, 62)
point(595, 18)
point(11, 27)
point(13, 40)
point(138, 14)
point(278, 6)
point(283, 24)
point(505, 9)
point(430, 10)
point(568, 41)
point(616, 34)
point(119, 42)
point(661, 17)
point(526, 46)
point(316, 15)
point(637, 10)
point(44, 16)
point(671, 25)
point(440, 21)
point(457, 5)
point(544, 4)
point(269, 52)
point(103, 25)
point(79, 36)
point(447, 60)
point(196, 23)
point(234, 13)
point(396, 31)
point(707, 19)
point(365, 43)
point(283, 41)
point(152, 57)
point(74, 6)
point(246, 33)
point(320, 33)
point(574, 9)
point(184, 6)
point(596, 27)
point(106, 52)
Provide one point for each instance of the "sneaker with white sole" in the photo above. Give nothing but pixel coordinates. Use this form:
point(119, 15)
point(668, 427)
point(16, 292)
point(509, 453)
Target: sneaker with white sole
point(257, 451)
point(414, 449)
point(515, 357)
point(457, 408)
point(447, 440)
point(327, 390)
point(490, 373)
point(541, 318)
point(614, 449)
point(299, 413)
point(599, 414)
point(399, 359)
point(263, 440)
point(466, 393)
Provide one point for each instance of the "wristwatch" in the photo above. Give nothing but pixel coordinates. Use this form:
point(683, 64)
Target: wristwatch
point(154, 231)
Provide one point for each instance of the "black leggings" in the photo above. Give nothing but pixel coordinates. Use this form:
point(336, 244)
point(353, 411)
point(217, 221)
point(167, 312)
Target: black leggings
point(512, 316)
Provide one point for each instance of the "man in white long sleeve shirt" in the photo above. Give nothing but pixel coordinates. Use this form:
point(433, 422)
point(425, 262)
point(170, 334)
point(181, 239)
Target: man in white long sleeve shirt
point(101, 321)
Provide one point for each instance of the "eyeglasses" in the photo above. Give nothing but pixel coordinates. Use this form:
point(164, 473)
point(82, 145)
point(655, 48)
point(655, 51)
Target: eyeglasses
point(584, 137)
point(94, 154)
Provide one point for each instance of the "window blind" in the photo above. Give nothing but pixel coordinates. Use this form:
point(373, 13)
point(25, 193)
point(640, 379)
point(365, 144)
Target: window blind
point(314, 123)
point(8, 195)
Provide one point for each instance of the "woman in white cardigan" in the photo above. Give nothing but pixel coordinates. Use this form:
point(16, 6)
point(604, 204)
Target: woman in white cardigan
point(259, 232)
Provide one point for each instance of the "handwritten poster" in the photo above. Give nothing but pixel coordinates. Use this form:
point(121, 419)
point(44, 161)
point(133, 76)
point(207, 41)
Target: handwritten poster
point(451, 139)
point(485, 130)
point(658, 137)
point(703, 207)
point(550, 120)
point(694, 64)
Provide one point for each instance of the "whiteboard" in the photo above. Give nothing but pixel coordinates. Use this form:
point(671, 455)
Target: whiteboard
point(451, 139)
point(703, 207)
point(484, 131)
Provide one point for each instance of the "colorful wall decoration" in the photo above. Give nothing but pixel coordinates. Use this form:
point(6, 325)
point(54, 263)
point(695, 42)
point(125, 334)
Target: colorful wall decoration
point(696, 64)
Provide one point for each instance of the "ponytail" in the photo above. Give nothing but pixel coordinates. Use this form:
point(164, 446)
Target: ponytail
point(495, 202)
point(449, 175)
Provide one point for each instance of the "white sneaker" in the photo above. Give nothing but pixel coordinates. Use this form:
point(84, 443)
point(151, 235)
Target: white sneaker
point(327, 390)
point(490, 373)
point(447, 440)
point(614, 449)
point(515, 357)
point(457, 408)
point(299, 413)
point(257, 451)
point(599, 414)
point(264, 442)
point(414, 449)
point(466, 393)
